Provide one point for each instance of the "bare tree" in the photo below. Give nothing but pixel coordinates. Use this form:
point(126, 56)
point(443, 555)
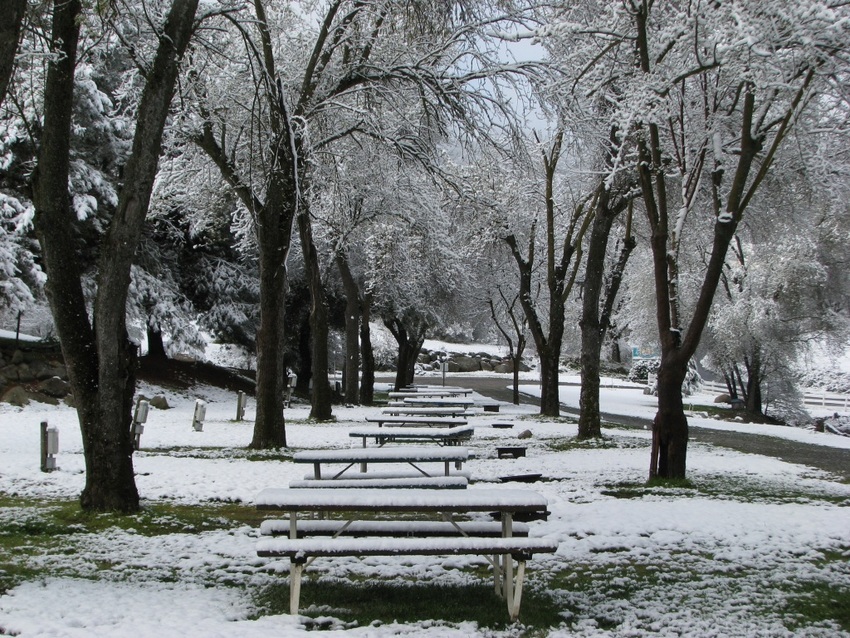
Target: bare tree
point(98, 355)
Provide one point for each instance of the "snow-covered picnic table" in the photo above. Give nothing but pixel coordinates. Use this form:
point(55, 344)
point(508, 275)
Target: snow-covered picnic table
point(436, 421)
point(365, 456)
point(444, 436)
point(373, 504)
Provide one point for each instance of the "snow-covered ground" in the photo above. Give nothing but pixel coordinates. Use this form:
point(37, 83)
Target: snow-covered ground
point(722, 557)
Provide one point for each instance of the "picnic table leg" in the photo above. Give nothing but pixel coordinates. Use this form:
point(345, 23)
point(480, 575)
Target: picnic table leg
point(507, 559)
point(515, 600)
point(317, 470)
point(295, 571)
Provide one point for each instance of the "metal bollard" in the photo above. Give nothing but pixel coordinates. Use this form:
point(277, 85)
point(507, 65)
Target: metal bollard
point(199, 416)
point(241, 402)
point(49, 447)
point(139, 417)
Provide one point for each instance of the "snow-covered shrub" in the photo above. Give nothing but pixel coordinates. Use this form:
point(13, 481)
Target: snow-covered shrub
point(642, 368)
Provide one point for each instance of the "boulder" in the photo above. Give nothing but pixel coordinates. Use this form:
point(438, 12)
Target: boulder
point(723, 398)
point(16, 396)
point(25, 373)
point(160, 402)
point(467, 363)
point(525, 434)
point(54, 387)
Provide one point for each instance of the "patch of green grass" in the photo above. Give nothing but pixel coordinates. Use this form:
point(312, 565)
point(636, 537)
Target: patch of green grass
point(567, 444)
point(368, 602)
point(34, 528)
point(739, 488)
point(818, 602)
point(220, 453)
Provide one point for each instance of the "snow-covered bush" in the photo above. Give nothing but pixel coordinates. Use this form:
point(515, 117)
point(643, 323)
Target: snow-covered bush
point(642, 368)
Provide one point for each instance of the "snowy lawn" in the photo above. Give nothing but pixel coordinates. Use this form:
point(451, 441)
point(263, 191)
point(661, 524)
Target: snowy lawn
point(752, 546)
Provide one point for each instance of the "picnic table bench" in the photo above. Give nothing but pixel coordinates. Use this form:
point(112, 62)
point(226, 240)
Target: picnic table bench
point(413, 456)
point(444, 436)
point(413, 421)
point(389, 540)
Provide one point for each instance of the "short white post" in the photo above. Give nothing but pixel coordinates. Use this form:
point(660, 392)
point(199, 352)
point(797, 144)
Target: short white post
point(140, 416)
point(49, 447)
point(199, 416)
point(241, 401)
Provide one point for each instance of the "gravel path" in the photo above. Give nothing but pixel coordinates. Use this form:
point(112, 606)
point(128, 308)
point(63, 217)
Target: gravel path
point(830, 459)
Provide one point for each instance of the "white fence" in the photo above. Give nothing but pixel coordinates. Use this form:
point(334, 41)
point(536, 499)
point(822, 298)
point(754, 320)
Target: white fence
point(818, 399)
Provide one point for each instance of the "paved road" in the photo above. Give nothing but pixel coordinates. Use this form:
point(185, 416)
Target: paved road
point(830, 459)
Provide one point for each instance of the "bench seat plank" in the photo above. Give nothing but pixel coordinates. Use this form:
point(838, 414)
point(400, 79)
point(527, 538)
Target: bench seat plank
point(412, 500)
point(413, 421)
point(300, 549)
point(359, 476)
point(408, 454)
point(328, 527)
point(432, 482)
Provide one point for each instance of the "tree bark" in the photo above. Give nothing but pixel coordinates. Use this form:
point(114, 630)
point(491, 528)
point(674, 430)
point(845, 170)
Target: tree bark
point(156, 345)
point(321, 408)
point(100, 359)
point(754, 399)
point(594, 325)
point(670, 427)
point(367, 355)
point(352, 329)
point(10, 33)
point(410, 336)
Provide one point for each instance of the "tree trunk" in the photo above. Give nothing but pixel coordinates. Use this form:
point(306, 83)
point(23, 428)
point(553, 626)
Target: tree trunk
point(321, 397)
point(410, 339)
point(352, 330)
point(670, 427)
point(100, 359)
point(10, 32)
point(754, 400)
point(269, 425)
point(594, 325)
point(517, 361)
point(550, 400)
point(367, 356)
point(156, 345)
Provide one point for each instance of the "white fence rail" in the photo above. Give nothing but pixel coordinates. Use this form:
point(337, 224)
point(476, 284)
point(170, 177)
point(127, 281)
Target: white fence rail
point(818, 399)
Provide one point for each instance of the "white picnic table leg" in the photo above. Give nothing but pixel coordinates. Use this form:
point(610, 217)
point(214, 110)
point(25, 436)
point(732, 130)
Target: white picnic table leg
point(507, 559)
point(295, 571)
point(515, 600)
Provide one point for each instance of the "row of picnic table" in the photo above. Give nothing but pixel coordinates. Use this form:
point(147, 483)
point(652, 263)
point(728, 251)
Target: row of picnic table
point(355, 512)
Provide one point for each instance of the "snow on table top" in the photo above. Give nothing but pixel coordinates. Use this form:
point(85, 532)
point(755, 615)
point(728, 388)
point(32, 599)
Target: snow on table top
point(430, 420)
point(383, 455)
point(413, 400)
point(411, 500)
point(439, 482)
point(412, 432)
